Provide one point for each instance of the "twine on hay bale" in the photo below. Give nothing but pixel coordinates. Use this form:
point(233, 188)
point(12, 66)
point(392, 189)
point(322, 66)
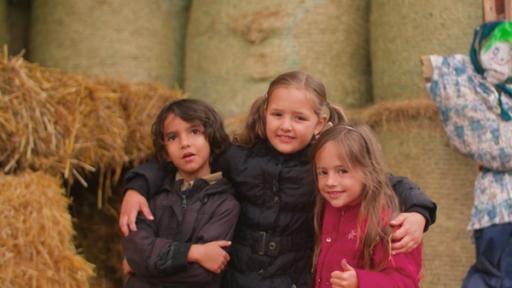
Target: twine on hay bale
point(36, 242)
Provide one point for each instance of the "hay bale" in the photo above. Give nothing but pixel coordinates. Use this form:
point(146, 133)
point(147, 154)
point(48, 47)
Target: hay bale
point(98, 237)
point(141, 104)
point(417, 147)
point(402, 31)
point(134, 40)
point(4, 36)
point(18, 15)
point(36, 243)
point(58, 123)
point(235, 48)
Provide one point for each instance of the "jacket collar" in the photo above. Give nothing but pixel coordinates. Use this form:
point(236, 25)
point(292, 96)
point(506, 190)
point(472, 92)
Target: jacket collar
point(263, 147)
point(210, 179)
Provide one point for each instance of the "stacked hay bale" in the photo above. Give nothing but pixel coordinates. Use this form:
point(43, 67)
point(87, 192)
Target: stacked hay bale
point(3, 23)
point(18, 15)
point(135, 40)
point(234, 50)
point(415, 145)
point(402, 31)
point(69, 126)
point(36, 243)
point(59, 123)
point(141, 102)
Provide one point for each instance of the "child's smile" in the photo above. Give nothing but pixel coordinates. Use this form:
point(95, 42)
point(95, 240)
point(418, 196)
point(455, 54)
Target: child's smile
point(290, 119)
point(339, 183)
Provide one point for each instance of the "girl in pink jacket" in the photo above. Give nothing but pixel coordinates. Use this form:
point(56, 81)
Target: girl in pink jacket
point(354, 207)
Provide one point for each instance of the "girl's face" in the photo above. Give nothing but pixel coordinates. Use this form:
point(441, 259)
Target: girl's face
point(187, 147)
point(339, 183)
point(290, 119)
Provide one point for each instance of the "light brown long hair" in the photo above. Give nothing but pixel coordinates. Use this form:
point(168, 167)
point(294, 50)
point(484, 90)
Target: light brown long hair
point(359, 148)
point(255, 125)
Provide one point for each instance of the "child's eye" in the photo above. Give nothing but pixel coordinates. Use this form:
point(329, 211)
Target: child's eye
point(171, 137)
point(301, 118)
point(196, 131)
point(321, 173)
point(342, 171)
point(276, 114)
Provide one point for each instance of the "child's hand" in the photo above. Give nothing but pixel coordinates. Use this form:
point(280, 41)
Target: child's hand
point(126, 267)
point(409, 233)
point(344, 278)
point(132, 203)
point(211, 255)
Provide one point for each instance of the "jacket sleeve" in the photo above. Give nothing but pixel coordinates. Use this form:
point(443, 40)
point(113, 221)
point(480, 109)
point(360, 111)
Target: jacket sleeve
point(149, 255)
point(412, 199)
point(147, 178)
point(143, 247)
point(220, 227)
point(165, 259)
point(402, 271)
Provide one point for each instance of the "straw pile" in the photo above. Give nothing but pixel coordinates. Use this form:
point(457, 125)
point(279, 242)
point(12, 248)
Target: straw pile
point(141, 102)
point(414, 145)
point(400, 112)
point(70, 125)
point(98, 237)
point(58, 123)
point(36, 245)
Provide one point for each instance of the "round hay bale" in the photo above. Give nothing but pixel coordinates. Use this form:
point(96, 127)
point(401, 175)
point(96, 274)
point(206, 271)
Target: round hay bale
point(235, 48)
point(402, 31)
point(18, 17)
point(36, 243)
point(4, 35)
point(417, 147)
point(134, 40)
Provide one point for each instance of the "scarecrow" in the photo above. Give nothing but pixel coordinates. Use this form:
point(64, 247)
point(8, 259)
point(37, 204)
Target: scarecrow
point(474, 97)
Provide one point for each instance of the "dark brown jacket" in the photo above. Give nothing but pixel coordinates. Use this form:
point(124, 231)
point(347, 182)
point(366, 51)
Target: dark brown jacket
point(157, 251)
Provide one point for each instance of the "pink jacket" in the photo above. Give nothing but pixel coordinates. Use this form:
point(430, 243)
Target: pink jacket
point(339, 241)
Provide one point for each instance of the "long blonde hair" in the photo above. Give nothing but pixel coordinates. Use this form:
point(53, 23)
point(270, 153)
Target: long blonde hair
point(255, 125)
point(360, 149)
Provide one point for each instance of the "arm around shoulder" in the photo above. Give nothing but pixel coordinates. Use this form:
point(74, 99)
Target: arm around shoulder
point(412, 199)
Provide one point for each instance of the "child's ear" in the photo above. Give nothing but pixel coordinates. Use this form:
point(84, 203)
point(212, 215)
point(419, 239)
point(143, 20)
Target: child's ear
point(321, 125)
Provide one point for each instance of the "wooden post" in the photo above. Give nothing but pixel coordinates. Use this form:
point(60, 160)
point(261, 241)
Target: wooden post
point(494, 10)
point(508, 10)
point(489, 9)
point(426, 68)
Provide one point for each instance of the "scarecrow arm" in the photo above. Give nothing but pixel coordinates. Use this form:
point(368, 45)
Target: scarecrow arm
point(426, 68)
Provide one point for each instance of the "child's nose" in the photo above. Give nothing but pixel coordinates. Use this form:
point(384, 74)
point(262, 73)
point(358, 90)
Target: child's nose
point(184, 141)
point(286, 124)
point(331, 179)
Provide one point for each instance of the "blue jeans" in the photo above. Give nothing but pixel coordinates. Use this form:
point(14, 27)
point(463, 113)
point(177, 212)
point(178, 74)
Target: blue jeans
point(493, 267)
